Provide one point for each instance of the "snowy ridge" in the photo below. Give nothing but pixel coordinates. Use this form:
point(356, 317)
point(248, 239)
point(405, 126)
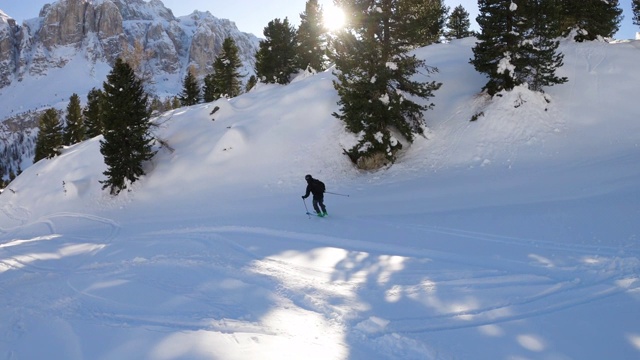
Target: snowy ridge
point(514, 236)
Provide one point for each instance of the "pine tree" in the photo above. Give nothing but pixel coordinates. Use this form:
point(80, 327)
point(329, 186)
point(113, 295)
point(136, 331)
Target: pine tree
point(75, 130)
point(127, 140)
point(498, 44)
point(175, 102)
point(49, 140)
point(190, 94)
point(421, 21)
point(226, 76)
point(251, 83)
point(516, 45)
point(459, 24)
point(311, 41)
point(591, 18)
point(375, 81)
point(636, 11)
point(93, 113)
point(156, 106)
point(538, 58)
point(275, 59)
point(209, 91)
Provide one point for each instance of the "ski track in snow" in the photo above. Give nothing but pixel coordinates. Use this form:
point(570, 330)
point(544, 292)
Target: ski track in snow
point(309, 288)
point(562, 289)
point(26, 260)
point(19, 214)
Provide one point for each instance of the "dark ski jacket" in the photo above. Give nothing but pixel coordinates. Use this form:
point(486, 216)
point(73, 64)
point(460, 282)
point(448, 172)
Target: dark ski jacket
point(315, 187)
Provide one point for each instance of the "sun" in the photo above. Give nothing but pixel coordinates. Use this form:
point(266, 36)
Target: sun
point(333, 18)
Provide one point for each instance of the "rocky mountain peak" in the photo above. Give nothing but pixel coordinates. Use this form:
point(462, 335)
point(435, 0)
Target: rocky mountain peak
point(103, 30)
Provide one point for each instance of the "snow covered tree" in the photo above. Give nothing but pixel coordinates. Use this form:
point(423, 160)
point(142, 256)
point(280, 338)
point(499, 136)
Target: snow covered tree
point(93, 113)
point(75, 130)
point(226, 77)
point(591, 18)
point(498, 43)
point(516, 44)
point(125, 117)
point(311, 41)
point(376, 83)
point(636, 11)
point(49, 140)
point(275, 59)
point(458, 24)
point(190, 94)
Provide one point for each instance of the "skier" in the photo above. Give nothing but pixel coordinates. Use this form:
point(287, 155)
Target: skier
point(316, 187)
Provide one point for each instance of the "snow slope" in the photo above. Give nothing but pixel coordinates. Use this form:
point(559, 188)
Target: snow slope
point(511, 237)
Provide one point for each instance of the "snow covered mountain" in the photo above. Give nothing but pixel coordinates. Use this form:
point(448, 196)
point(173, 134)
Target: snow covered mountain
point(514, 236)
point(38, 57)
point(100, 30)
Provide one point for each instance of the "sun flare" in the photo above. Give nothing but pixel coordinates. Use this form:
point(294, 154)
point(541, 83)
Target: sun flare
point(333, 18)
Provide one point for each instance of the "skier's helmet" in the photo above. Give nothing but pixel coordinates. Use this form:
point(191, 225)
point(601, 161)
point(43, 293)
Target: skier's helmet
point(308, 177)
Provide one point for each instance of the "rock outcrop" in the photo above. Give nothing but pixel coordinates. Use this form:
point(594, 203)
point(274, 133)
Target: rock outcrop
point(103, 30)
point(9, 40)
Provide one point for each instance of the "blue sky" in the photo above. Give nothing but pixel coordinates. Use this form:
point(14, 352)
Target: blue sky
point(252, 16)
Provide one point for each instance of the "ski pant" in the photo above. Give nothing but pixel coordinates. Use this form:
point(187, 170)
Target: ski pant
point(318, 204)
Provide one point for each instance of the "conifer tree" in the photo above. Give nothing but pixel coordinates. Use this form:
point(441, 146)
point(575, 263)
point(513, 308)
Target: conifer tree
point(275, 59)
point(49, 140)
point(125, 117)
point(190, 94)
point(93, 113)
point(538, 58)
point(375, 81)
point(156, 106)
point(635, 4)
point(75, 130)
point(516, 44)
point(209, 91)
point(311, 41)
point(251, 83)
point(226, 76)
point(498, 44)
point(421, 21)
point(591, 18)
point(459, 24)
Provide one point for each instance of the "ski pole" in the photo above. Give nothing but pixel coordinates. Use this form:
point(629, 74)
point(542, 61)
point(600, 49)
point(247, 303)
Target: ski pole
point(329, 192)
point(305, 208)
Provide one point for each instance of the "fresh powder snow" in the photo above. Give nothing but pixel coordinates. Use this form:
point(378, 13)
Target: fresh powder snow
point(514, 236)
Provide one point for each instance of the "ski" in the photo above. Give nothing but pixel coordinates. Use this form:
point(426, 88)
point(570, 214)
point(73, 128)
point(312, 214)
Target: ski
point(318, 215)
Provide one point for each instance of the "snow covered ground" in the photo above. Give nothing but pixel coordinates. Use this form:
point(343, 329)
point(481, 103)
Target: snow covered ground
point(515, 236)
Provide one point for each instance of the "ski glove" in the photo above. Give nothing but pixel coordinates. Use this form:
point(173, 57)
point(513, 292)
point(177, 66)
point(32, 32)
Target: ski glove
point(304, 197)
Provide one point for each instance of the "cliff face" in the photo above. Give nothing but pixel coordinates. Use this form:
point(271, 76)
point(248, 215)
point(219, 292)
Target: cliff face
point(9, 39)
point(103, 30)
